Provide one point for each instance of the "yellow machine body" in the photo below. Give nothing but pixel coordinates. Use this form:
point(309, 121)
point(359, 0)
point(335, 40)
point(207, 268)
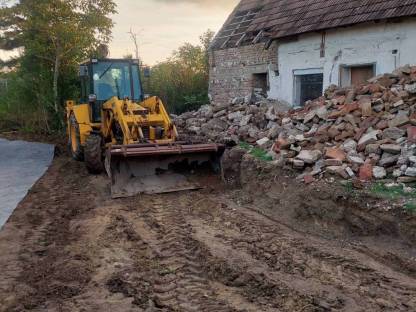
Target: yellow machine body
point(132, 138)
point(138, 121)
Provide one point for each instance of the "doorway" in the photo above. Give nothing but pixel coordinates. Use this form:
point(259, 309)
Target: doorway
point(355, 75)
point(260, 83)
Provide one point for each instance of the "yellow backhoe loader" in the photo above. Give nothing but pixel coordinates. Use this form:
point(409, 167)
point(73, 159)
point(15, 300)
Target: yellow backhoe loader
point(114, 128)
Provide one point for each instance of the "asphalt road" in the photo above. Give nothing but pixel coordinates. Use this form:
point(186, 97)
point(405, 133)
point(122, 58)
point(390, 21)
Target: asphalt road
point(21, 165)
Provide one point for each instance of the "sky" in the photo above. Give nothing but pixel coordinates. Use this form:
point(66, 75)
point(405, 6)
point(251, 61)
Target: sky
point(163, 25)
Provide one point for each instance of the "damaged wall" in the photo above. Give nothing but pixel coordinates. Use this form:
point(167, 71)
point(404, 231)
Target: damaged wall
point(386, 45)
point(232, 70)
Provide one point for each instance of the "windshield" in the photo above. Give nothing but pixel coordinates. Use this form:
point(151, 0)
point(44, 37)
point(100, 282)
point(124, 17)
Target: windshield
point(114, 79)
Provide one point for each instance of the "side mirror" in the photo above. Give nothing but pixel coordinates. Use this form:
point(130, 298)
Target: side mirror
point(146, 72)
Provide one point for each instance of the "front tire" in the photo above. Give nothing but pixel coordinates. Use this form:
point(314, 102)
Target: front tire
point(93, 154)
point(74, 140)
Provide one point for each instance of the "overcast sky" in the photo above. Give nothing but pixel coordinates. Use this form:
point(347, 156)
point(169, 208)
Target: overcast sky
point(163, 25)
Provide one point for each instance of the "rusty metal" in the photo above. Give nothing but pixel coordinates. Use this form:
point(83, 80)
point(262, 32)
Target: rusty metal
point(149, 168)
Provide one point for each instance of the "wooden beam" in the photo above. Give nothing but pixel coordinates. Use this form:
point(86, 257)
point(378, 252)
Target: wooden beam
point(241, 39)
point(258, 37)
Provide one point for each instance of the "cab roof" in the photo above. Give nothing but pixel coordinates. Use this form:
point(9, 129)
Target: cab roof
point(109, 60)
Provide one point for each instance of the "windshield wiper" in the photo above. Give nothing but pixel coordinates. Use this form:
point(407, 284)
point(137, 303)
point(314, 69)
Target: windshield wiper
point(105, 72)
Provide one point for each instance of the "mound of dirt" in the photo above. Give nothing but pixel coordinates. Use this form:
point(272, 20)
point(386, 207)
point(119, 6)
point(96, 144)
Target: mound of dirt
point(326, 206)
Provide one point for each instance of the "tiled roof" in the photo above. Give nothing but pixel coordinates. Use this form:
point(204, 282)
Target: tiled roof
point(255, 20)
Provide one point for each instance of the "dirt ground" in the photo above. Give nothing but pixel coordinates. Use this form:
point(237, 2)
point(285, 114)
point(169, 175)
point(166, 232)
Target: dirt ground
point(272, 246)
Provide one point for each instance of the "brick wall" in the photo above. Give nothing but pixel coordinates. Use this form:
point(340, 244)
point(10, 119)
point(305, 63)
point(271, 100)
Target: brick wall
point(231, 70)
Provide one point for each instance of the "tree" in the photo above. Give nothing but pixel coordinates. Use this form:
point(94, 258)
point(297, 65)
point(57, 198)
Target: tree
point(182, 80)
point(133, 37)
point(55, 35)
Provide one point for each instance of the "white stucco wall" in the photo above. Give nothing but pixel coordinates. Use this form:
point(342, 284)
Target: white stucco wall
point(360, 44)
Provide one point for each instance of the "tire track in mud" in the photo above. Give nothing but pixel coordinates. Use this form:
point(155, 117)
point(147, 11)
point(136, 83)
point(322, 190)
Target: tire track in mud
point(180, 282)
point(203, 253)
point(357, 282)
point(190, 251)
point(196, 280)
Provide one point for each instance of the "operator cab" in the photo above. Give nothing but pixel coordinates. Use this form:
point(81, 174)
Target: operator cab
point(104, 79)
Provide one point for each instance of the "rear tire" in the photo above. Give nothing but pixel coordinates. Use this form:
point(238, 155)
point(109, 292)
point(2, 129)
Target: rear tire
point(93, 154)
point(74, 140)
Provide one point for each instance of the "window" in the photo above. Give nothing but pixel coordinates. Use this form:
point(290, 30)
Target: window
point(308, 85)
point(113, 79)
point(260, 82)
point(354, 75)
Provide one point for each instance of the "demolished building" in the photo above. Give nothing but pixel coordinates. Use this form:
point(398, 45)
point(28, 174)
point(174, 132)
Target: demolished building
point(293, 50)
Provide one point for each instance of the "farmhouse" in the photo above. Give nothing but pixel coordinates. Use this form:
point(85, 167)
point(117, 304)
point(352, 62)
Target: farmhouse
point(293, 50)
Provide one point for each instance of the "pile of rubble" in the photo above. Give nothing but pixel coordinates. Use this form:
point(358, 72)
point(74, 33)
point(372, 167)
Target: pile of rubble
point(366, 132)
point(248, 119)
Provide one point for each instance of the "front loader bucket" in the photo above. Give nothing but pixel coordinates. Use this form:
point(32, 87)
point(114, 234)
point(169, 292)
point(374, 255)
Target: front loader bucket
point(151, 169)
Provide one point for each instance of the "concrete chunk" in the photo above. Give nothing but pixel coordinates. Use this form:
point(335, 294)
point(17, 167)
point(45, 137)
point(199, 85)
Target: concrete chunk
point(411, 88)
point(369, 138)
point(263, 141)
point(399, 120)
point(393, 133)
point(391, 148)
point(388, 160)
point(309, 157)
point(338, 170)
point(410, 172)
point(379, 172)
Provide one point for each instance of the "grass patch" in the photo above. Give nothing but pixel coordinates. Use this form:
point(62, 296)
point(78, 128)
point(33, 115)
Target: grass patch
point(256, 152)
point(392, 192)
point(410, 207)
point(349, 187)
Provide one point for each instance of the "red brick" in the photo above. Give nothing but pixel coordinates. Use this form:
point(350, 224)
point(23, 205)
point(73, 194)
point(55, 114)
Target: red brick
point(333, 132)
point(381, 125)
point(348, 108)
point(335, 153)
point(411, 134)
point(374, 88)
point(366, 171)
point(280, 144)
point(366, 108)
point(308, 179)
point(340, 99)
point(345, 135)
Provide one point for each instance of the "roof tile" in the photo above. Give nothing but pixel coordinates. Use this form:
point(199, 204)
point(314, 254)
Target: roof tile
point(283, 18)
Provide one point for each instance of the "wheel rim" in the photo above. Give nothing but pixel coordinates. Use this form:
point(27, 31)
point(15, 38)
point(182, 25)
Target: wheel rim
point(74, 142)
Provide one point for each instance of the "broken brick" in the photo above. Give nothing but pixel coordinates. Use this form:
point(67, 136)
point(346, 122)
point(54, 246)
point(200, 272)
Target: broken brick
point(308, 179)
point(366, 172)
point(339, 170)
point(399, 120)
point(411, 134)
point(381, 125)
point(366, 106)
point(335, 153)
